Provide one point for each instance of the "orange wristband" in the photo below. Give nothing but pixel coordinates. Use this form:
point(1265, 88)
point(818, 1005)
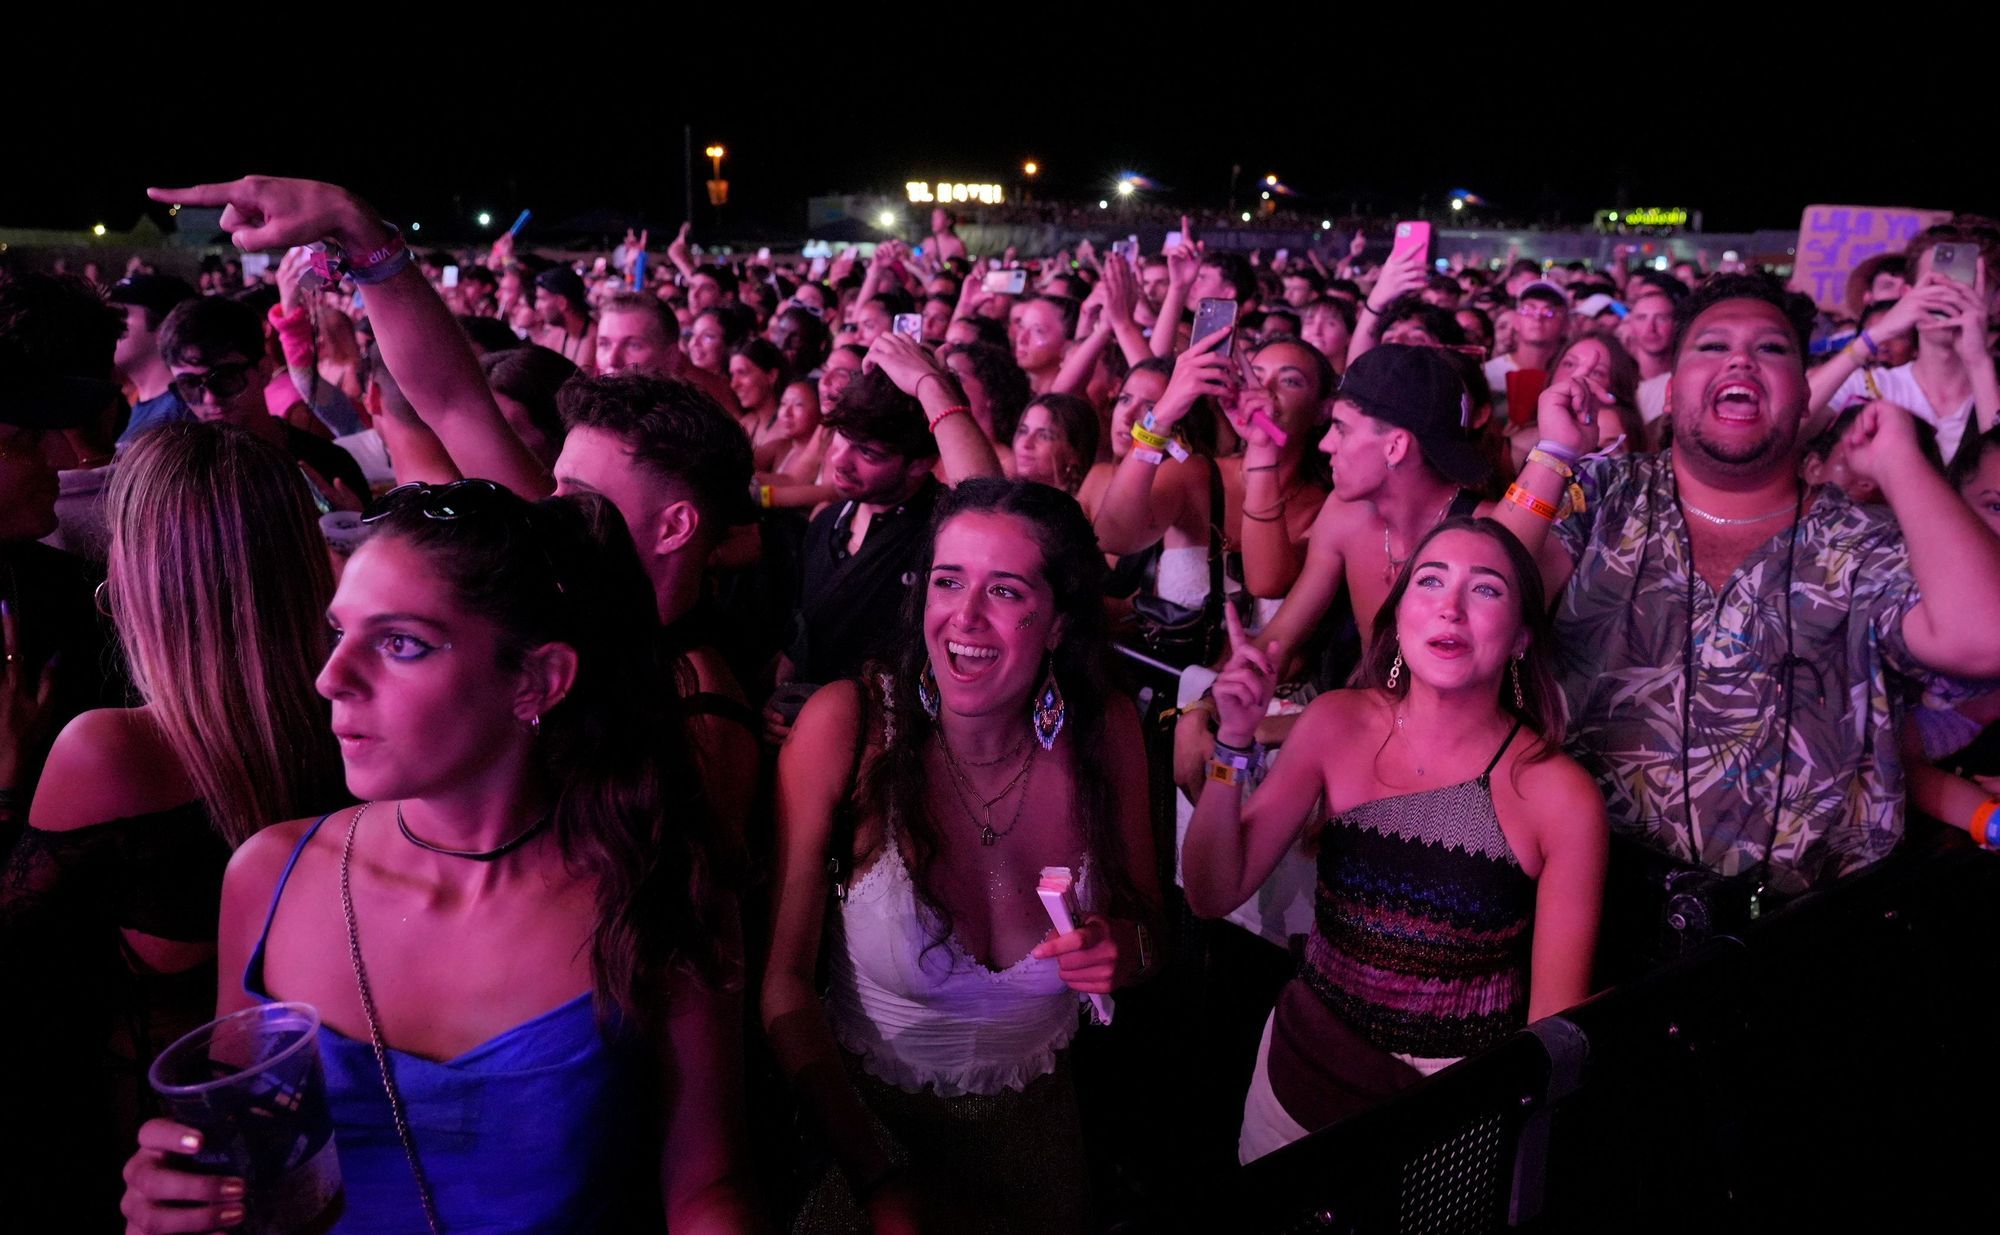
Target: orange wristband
point(1529, 502)
point(1982, 819)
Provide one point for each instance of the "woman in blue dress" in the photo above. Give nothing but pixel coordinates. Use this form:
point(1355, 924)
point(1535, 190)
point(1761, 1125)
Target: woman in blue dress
point(527, 980)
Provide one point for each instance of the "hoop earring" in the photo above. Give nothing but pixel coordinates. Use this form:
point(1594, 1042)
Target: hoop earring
point(927, 690)
point(1050, 712)
point(1520, 700)
point(101, 597)
point(1395, 671)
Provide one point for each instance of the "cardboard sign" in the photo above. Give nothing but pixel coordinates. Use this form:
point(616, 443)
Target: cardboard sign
point(1833, 240)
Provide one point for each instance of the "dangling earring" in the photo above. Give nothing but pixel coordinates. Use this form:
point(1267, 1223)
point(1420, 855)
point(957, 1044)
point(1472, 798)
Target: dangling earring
point(927, 691)
point(1395, 671)
point(535, 725)
point(1050, 711)
point(1520, 700)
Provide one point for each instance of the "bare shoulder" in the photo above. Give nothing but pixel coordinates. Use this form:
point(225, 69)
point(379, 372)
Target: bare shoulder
point(108, 763)
point(1339, 712)
point(712, 674)
point(1555, 795)
point(1341, 520)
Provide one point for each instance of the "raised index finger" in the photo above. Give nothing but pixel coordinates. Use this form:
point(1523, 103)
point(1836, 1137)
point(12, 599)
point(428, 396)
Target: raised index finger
point(198, 194)
point(1233, 627)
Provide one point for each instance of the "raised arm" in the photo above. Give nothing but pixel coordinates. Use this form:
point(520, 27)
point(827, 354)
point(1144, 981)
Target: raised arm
point(1566, 420)
point(1954, 558)
point(1400, 276)
point(1183, 264)
point(963, 449)
point(420, 340)
point(1232, 849)
point(1917, 305)
point(1147, 490)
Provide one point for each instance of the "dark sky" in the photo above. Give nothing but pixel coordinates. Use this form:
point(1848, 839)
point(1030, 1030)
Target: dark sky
point(1749, 146)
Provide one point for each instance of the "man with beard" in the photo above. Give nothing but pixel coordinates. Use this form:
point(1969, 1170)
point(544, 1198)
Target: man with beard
point(1734, 647)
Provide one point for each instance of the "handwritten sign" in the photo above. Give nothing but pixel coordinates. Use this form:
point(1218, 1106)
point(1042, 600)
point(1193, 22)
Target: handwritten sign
point(1833, 240)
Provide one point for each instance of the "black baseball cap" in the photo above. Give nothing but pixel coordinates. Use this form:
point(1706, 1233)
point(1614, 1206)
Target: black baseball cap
point(156, 292)
point(565, 282)
point(1417, 389)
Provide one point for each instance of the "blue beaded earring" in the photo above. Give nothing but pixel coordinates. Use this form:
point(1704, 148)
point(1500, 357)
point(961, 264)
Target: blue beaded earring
point(1050, 711)
point(927, 691)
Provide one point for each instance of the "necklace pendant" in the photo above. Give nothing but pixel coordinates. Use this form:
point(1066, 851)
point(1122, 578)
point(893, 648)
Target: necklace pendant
point(987, 836)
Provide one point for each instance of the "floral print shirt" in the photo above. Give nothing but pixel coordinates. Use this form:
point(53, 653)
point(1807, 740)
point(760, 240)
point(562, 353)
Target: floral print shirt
point(1636, 616)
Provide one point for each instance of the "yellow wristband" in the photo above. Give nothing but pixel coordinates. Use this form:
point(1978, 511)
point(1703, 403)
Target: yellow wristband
point(764, 496)
point(1529, 502)
point(1147, 438)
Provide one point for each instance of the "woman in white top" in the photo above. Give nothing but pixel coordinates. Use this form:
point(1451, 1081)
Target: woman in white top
point(946, 783)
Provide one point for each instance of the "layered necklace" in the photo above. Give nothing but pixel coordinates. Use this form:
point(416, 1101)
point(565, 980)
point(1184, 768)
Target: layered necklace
point(968, 794)
point(1396, 564)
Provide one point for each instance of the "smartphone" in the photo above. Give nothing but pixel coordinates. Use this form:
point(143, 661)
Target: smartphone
point(910, 326)
point(1173, 239)
point(1412, 238)
point(1211, 315)
point(764, 254)
point(451, 276)
point(1127, 249)
point(1281, 257)
point(1956, 261)
point(1006, 283)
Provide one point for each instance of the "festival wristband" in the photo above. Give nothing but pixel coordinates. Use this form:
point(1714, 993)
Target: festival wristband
point(1223, 774)
point(1560, 451)
point(1149, 439)
point(764, 496)
point(1985, 827)
point(1869, 341)
point(1529, 502)
point(1143, 455)
point(1555, 463)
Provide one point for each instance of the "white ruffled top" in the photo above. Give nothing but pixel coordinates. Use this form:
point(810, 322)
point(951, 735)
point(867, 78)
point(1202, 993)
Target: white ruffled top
point(923, 1013)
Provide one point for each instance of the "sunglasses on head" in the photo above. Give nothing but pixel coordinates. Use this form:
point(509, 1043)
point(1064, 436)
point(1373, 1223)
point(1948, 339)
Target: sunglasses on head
point(461, 499)
point(224, 381)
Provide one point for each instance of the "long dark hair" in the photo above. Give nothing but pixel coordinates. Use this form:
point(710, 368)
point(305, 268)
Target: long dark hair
point(1074, 567)
point(629, 811)
point(1542, 709)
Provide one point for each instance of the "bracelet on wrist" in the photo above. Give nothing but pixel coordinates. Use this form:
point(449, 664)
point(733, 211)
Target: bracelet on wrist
point(1149, 439)
point(954, 410)
point(1985, 824)
point(1549, 446)
point(1869, 341)
point(1530, 503)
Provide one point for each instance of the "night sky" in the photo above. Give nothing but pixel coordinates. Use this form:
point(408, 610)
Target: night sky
point(1748, 146)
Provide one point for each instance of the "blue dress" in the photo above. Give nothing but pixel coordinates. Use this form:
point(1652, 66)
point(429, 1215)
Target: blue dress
point(539, 1128)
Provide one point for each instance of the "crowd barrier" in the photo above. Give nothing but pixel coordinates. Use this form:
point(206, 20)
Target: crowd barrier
point(1830, 1069)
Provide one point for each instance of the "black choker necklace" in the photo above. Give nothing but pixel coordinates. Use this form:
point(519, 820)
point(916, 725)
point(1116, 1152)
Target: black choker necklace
point(476, 855)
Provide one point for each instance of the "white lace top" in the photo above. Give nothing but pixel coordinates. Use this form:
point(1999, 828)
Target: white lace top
point(920, 1013)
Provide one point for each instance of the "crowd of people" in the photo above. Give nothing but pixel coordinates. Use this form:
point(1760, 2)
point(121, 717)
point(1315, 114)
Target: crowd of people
point(643, 705)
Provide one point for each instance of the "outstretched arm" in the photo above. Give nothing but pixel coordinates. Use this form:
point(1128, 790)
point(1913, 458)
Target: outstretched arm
point(420, 340)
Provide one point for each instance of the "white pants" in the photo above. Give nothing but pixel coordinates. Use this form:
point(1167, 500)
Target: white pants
point(1267, 1126)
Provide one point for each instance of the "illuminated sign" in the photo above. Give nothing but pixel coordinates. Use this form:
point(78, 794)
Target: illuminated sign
point(951, 191)
point(1652, 216)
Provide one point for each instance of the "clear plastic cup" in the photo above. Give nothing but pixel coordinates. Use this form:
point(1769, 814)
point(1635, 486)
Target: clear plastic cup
point(251, 1083)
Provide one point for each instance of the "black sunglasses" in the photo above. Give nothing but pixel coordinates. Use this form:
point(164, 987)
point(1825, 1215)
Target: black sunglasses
point(461, 499)
point(224, 381)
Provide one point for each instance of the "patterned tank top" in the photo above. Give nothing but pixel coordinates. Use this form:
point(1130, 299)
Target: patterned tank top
point(1421, 920)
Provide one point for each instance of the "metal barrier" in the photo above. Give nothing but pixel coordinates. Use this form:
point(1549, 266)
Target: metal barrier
point(1833, 1070)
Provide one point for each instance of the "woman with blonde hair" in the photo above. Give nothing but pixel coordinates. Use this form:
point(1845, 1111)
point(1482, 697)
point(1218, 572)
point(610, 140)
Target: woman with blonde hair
point(218, 585)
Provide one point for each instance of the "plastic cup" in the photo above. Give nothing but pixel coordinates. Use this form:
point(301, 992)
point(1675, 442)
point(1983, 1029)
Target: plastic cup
point(251, 1083)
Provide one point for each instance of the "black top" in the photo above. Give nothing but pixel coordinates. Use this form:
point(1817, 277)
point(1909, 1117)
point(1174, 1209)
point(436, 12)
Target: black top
point(159, 873)
point(851, 605)
point(329, 460)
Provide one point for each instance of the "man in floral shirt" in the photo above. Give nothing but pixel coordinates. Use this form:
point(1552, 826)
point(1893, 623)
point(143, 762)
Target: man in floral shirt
point(1736, 648)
